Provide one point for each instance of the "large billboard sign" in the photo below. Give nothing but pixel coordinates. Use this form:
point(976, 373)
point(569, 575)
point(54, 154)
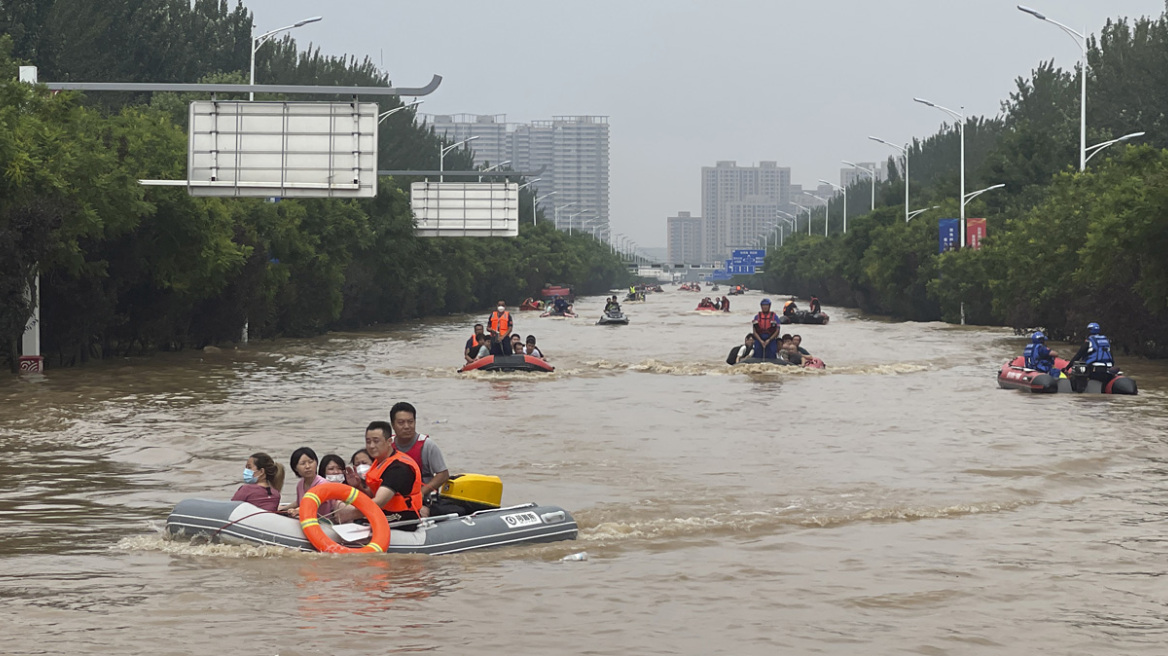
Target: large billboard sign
point(465, 209)
point(975, 231)
point(950, 239)
point(284, 149)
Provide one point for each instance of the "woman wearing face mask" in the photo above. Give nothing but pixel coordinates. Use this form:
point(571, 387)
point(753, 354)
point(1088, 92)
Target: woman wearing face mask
point(332, 467)
point(362, 462)
point(303, 462)
point(262, 480)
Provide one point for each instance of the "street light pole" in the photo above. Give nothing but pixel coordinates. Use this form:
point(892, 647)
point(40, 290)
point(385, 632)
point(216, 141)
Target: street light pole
point(826, 213)
point(845, 193)
point(960, 116)
point(924, 209)
point(1081, 41)
point(808, 210)
point(871, 174)
point(381, 117)
point(535, 203)
point(557, 212)
point(493, 167)
point(442, 156)
point(1100, 146)
point(904, 151)
point(259, 40)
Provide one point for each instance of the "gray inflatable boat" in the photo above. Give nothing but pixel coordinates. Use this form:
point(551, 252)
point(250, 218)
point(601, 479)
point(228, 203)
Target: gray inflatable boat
point(242, 523)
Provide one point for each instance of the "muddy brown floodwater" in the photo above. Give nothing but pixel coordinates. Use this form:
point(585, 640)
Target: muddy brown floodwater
point(898, 502)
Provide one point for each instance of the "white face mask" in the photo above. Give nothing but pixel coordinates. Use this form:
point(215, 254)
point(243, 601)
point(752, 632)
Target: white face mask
point(363, 469)
point(502, 309)
point(335, 478)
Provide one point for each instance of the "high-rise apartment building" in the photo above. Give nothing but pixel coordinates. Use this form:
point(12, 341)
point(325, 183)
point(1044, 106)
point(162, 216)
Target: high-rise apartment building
point(734, 200)
point(685, 239)
point(570, 151)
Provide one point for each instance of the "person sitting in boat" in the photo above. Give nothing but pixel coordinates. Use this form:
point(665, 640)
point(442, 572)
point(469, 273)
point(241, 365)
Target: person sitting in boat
point(798, 341)
point(560, 306)
point(766, 331)
point(500, 325)
point(361, 462)
point(477, 346)
point(790, 309)
point(744, 350)
point(813, 307)
point(718, 304)
point(516, 344)
point(332, 468)
point(1096, 354)
point(394, 482)
point(303, 462)
point(532, 349)
point(262, 480)
point(611, 305)
point(422, 450)
point(789, 352)
point(1038, 356)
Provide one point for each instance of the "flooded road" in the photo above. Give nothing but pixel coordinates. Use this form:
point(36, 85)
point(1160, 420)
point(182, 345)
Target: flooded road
point(898, 502)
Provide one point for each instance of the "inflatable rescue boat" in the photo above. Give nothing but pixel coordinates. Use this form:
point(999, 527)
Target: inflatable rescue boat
point(1015, 375)
point(508, 363)
point(803, 316)
point(242, 523)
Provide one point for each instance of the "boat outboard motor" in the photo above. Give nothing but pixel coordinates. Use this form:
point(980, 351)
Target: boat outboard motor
point(1079, 376)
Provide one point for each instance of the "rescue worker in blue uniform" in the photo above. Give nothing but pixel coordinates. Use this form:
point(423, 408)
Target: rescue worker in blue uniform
point(1096, 354)
point(1038, 356)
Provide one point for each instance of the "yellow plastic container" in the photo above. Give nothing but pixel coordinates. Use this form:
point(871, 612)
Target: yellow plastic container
point(477, 490)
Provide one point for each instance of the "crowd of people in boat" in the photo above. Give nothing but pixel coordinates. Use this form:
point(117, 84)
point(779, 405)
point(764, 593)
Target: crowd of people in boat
point(498, 337)
point(399, 468)
point(720, 304)
point(766, 343)
point(1095, 353)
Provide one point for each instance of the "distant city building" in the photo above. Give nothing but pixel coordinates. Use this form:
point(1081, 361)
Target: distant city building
point(572, 153)
point(733, 199)
point(685, 239)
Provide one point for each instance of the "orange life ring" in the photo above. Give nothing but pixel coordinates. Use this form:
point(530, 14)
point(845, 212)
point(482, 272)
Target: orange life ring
point(310, 504)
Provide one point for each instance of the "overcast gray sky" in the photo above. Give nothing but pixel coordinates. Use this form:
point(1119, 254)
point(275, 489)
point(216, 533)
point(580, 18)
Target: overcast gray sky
point(687, 83)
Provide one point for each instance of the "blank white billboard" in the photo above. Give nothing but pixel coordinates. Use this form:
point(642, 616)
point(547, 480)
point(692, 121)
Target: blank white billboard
point(288, 149)
point(465, 209)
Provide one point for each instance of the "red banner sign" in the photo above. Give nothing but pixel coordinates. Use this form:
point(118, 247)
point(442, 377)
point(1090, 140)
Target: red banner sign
point(975, 231)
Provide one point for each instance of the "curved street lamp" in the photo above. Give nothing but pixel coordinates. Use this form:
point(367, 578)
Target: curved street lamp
point(960, 117)
point(844, 191)
point(1094, 150)
point(442, 156)
point(808, 210)
point(381, 116)
point(903, 151)
point(1080, 41)
point(259, 41)
point(871, 174)
point(826, 213)
point(924, 209)
point(535, 203)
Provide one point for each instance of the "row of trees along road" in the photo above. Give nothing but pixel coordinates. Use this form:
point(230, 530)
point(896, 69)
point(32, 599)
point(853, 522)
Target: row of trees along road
point(1064, 247)
point(130, 269)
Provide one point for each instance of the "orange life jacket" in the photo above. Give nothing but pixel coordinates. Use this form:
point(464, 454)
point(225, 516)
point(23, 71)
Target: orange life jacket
point(398, 502)
point(500, 323)
point(767, 321)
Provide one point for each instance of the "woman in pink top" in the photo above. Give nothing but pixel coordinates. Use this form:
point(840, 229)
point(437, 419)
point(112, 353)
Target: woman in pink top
point(262, 480)
point(303, 462)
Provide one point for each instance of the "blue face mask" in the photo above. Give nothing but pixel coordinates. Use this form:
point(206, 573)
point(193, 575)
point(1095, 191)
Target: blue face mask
point(249, 475)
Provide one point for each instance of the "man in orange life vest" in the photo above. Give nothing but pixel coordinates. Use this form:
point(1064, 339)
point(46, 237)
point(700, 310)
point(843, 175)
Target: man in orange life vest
point(394, 481)
point(500, 326)
point(420, 448)
point(475, 343)
point(766, 332)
